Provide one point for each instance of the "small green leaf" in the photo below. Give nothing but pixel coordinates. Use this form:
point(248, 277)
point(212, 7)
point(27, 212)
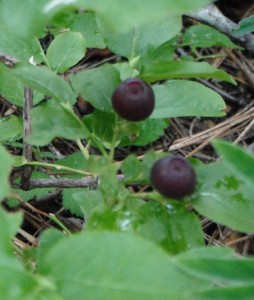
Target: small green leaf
point(182, 69)
point(179, 98)
point(10, 128)
point(205, 36)
point(97, 85)
point(224, 196)
point(65, 51)
point(45, 81)
point(70, 203)
point(46, 126)
point(88, 201)
point(143, 133)
point(6, 163)
point(245, 26)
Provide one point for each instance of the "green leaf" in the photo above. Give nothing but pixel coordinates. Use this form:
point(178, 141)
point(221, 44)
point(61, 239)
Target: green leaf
point(109, 265)
point(237, 159)
point(88, 201)
point(138, 40)
point(6, 163)
point(102, 124)
point(65, 51)
point(143, 133)
point(16, 46)
point(182, 69)
point(85, 23)
point(10, 128)
point(205, 36)
point(232, 276)
point(45, 81)
point(175, 229)
point(25, 18)
point(46, 126)
point(245, 26)
point(224, 196)
point(11, 88)
point(97, 85)
point(109, 184)
point(179, 98)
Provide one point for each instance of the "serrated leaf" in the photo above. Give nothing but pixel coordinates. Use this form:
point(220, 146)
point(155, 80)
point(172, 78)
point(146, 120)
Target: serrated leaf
point(97, 85)
point(179, 98)
point(88, 201)
point(70, 203)
point(182, 69)
point(6, 164)
point(224, 196)
point(45, 81)
point(113, 266)
point(65, 51)
point(10, 128)
point(205, 36)
point(60, 122)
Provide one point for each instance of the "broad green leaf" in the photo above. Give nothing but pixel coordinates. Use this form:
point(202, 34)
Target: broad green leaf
point(173, 228)
point(125, 15)
point(182, 69)
point(6, 163)
point(51, 120)
point(25, 18)
point(65, 51)
point(205, 36)
point(109, 265)
point(233, 277)
point(138, 40)
point(45, 81)
point(179, 98)
point(245, 26)
point(10, 128)
point(237, 159)
point(85, 23)
point(224, 196)
point(97, 85)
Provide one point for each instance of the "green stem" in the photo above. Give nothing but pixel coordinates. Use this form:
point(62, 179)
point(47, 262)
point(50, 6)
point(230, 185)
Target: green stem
point(58, 167)
point(59, 223)
point(43, 54)
point(84, 150)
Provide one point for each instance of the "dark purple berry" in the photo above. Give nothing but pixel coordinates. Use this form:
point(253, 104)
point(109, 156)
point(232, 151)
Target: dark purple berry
point(133, 100)
point(173, 177)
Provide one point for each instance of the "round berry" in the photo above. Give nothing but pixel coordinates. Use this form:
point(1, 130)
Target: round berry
point(173, 177)
point(133, 100)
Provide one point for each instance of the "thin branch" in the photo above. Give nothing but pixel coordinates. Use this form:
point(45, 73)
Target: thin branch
point(27, 148)
point(212, 16)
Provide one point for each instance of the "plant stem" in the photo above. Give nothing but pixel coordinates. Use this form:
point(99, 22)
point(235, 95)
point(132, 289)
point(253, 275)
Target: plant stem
point(59, 223)
point(83, 149)
point(58, 167)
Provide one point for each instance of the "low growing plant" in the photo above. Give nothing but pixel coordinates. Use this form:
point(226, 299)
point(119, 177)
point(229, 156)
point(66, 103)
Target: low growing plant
point(136, 243)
